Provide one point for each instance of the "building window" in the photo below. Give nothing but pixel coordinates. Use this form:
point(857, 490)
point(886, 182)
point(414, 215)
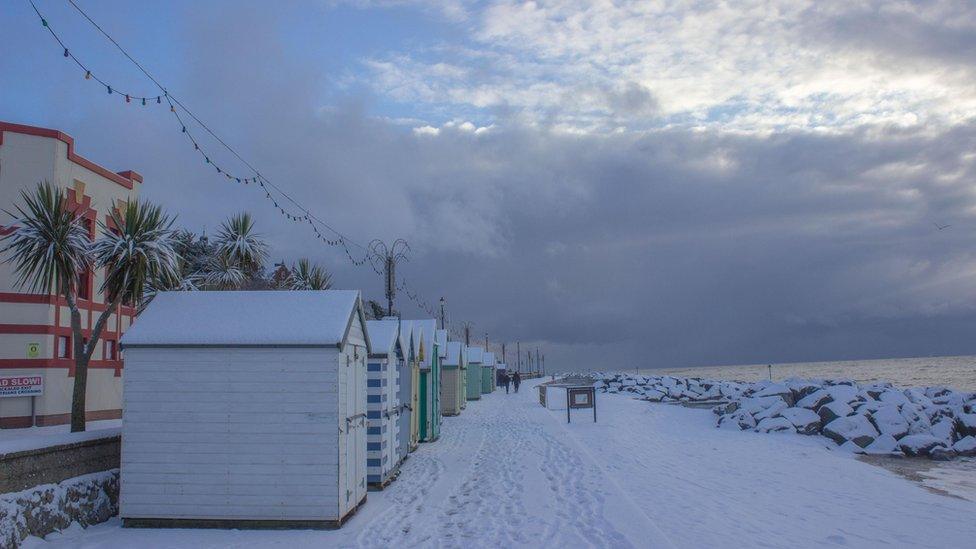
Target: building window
point(84, 281)
point(64, 347)
point(109, 351)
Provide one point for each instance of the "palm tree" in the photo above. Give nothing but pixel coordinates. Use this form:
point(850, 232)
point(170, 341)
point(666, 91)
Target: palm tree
point(50, 249)
point(306, 275)
point(240, 245)
point(221, 273)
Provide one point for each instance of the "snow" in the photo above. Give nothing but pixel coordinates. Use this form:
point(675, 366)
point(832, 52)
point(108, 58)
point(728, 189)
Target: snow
point(244, 318)
point(475, 354)
point(454, 350)
point(508, 473)
point(382, 335)
point(19, 440)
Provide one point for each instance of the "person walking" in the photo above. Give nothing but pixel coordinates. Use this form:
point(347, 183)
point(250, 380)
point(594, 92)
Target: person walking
point(516, 381)
point(505, 380)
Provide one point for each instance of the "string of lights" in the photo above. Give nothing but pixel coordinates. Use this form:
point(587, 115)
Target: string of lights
point(273, 193)
point(187, 122)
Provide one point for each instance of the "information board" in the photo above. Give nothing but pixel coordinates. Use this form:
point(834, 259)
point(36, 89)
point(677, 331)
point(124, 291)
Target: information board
point(21, 386)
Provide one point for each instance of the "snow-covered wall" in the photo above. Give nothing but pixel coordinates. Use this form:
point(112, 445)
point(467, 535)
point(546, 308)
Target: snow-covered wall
point(41, 510)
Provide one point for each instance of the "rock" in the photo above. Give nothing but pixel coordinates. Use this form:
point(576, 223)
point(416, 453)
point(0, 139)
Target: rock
point(965, 446)
point(728, 408)
point(849, 446)
point(815, 400)
point(833, 410)
point(892, 396)
point(944, 429)
point(888, 420)
point(856, 429)
point(773, 410)
point(942, 453)
point(806, 422)
point(754, 405)
point(653, 395)
point(919, 445)
point(802, 389)
point(842, 393)
point(739, 421)
point(885, 444)
point(966, 425)
point(778, 390)
point(918, 397)
point(775, 425)
point(934, 392)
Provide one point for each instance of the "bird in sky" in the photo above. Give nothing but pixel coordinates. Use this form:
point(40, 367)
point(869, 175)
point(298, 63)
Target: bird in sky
point(941, 227)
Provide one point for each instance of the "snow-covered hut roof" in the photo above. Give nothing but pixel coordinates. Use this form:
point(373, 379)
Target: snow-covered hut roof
point(258, 318)
point(406, 331)
point(442, 342)
point(488, 359)
point(455, 350)
point(475, 354)
point(384, 335)
point(501, 366)
point(428, 326)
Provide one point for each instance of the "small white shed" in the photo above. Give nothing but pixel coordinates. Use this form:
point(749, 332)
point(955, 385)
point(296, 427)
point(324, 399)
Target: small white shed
point(245, 409)
point(382, 401)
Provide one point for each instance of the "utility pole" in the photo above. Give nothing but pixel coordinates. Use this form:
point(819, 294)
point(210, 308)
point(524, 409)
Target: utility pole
point(442, 313)
point(537, 367)
point(486, 342)
point(543, 364)
point(504, 361)
point(390, 256)
point(518, 356)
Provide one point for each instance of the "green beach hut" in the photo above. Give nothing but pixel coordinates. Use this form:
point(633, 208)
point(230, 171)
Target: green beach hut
point(429, 388)
point(488, 373)
point(475, 358)
point(452, 370)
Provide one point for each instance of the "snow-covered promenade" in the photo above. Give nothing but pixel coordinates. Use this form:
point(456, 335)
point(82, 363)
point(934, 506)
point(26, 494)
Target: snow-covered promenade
point(508, 473)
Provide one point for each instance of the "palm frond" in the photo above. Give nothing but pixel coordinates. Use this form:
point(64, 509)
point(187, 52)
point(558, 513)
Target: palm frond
point(221, 274)
point(238, 241)
point(306, 275)
point(139, 248)
point(49, 246)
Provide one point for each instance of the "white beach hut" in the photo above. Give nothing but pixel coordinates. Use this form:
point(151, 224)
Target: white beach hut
point(382, 401)
point(452, 395)
point(245, 409)
point(405, 367)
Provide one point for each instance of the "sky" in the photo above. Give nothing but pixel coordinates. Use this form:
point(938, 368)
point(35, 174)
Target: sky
point(620, 184)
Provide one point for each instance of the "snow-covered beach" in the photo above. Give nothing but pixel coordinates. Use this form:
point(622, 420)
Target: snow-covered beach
point(510, 473)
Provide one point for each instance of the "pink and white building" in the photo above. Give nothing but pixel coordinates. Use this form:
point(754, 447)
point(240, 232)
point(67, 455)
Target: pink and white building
point(35, 330)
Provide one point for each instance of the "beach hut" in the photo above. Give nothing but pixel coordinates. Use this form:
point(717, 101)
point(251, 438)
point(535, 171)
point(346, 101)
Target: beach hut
point(245, 409)
point(488, 373)
point(382, 401)
point(475, 358)
point(416, 340)
point(404, 409)
point(451, 375)
point(429, 391)
point(463, 377)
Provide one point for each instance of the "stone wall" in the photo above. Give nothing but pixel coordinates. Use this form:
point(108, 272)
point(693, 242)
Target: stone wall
point(38, 511)
point(52, 464)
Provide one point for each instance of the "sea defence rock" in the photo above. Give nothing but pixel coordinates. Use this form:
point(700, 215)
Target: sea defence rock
point(872, 418)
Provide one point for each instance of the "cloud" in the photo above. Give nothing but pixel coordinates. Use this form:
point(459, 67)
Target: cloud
point(621, 184)
point(753, 66)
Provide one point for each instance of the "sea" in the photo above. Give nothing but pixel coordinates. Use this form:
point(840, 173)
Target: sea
point(956, 372)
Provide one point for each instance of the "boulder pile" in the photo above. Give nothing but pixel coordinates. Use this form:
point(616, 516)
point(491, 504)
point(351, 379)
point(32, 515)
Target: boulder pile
point(873, 418)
